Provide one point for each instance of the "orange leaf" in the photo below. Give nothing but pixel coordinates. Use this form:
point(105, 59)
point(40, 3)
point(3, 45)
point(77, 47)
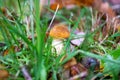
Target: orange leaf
point(3, 74)
point(64, 3)
point(54, 6)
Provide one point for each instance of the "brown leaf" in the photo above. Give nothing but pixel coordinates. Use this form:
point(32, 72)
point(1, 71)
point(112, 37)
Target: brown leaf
point(108, 15)
point(75, 72)
point(77, 69)
point(70, 63)
point(4, 74)
point(54, 6)
point(65, 3)
point(84, 2)
point(105, 8)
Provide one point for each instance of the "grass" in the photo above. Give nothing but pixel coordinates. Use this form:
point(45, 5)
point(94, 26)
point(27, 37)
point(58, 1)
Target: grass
point(36, 54)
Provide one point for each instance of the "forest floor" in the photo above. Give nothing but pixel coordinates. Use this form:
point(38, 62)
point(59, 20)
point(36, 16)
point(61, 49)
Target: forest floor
point(59, 40)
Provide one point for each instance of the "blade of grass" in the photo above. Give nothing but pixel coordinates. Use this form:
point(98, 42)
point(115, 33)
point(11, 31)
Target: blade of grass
point(40, 42)
point(19, 4)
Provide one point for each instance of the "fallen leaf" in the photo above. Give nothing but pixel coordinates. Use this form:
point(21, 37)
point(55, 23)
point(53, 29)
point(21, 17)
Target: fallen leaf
point(79, 38)
point(65, 3)
point(75, 72)
point(78, 70)
point(70, 63)
point(4, 74)
point(54, 6)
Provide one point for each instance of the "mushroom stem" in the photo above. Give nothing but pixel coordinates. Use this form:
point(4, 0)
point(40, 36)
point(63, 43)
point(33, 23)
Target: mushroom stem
point(59, 33)
point(57, 46)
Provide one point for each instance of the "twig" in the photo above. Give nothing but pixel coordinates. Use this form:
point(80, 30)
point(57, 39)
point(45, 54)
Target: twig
point(25, 73)
point(53, 18)
point(104, 39)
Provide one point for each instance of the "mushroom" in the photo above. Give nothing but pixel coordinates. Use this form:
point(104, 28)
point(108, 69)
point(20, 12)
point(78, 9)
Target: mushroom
point(59, 33)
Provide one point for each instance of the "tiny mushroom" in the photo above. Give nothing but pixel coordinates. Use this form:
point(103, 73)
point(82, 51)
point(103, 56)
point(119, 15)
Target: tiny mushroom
point(59, 33)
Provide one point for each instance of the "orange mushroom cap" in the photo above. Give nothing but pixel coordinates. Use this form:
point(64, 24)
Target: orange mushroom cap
point(59, 32)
